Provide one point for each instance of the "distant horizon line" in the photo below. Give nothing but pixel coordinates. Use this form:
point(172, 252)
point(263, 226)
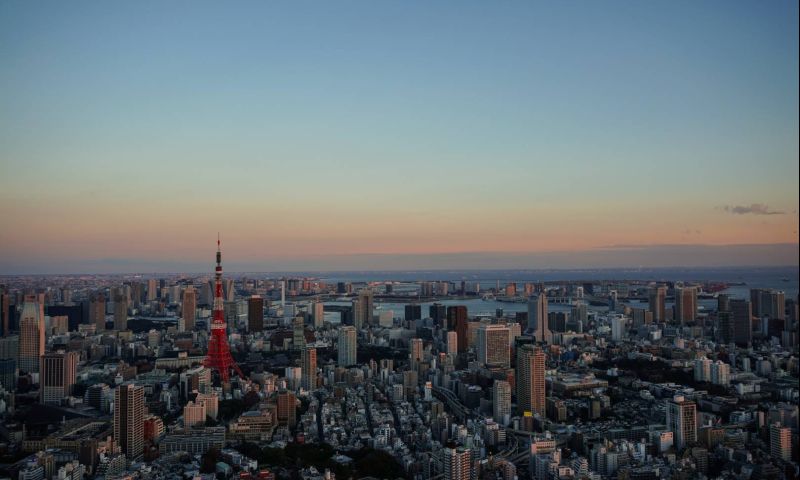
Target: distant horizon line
point(421, 270)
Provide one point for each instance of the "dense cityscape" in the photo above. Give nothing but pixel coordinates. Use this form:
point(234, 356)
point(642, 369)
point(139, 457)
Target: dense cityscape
point(376, 239)
point(179, 376)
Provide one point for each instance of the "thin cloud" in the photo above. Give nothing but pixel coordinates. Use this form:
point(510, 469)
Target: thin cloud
point(753, 209)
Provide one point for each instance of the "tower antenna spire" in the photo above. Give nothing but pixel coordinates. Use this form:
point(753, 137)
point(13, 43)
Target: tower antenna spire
point(219, 352)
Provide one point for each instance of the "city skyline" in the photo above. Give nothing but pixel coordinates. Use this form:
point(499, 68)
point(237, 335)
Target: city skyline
point(339, 137)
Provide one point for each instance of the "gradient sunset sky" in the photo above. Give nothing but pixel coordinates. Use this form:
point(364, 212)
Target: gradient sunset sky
point(374, 134)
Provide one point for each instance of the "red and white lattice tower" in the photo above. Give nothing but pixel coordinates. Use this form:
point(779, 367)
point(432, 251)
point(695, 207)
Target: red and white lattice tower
point(219, 352)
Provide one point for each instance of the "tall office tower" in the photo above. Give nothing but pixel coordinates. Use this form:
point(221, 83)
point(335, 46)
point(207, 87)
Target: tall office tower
point(194, 414)
point(298, 333)
point(579, 311)
point(219, 353)
point(120, 313)
point(494, 345)
point(618, 328)
point(415, 353)
point(363, 309)
point(8, 373)
point(685, 304)
point(188, 308)
point(287, 408)
point(31, 335)
point(152, 289)
point(702, 370)
point(318, 314)
point(57, 373)
point(454, 314)
point(413, 312)
point(97, 311)
point(657, 300)
point(537, 318)
point(720, 373)
point(5, 311)
point(438, 313)
point(129, 419)
point(457, 320)
point(723, 302)
point(530, 379)
point(641, 317)
point(452, 343)
point(777, 305)
point(457, 463)
point(742, 318)
point(309, 368)
point(347, 346)
point(137, 293)
point(229, 289)
point(780, 442)
point(682, 421)
point(501, 401)
point(255, 314)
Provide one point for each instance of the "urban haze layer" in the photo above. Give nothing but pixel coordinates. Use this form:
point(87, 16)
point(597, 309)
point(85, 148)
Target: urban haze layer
point(339, 376)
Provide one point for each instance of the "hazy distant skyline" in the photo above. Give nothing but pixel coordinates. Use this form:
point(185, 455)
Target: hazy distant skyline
point(353, 134)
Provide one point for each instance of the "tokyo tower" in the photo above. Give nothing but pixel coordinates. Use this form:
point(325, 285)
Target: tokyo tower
point(219, 352)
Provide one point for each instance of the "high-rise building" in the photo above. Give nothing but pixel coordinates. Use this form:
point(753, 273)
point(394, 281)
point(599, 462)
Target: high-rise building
point(317, 314)
point(152, 289)
point(768, 303)
point(720, 373)
point(194, 414)
point(452, 343)
point(309, 368)
point(255, 314)
point(457, 463)
point(8, 373)
point(537, 318)
point(742, 320)
point(287, 408)
point(97, 311)
point(530, 379)
point(618, 328)
point(685, 304)
point(657, 302)
point(723, 302)
point(31, 335)
point(780, 442)
point(494, 345)
point(457, 319)
point(120, 313)
point(501, 401)
point(702, 370)
point(5, 314)
point(682, 421)
point(57, 372)
point(415, 354)
point(413, 311)
point(189, 308)
point(347, 346)
point(363, 309)
point(129, 419)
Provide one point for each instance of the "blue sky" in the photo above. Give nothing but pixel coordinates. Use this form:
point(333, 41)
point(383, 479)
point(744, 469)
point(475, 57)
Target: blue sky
point(347, 128)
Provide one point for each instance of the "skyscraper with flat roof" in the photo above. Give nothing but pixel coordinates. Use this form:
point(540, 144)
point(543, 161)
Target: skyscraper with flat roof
point(57, 372)
point(494, 346)
point(682, 421)
point(129, 419)
point(530, 379)
point(120, 312)
point(537, 318)
point(189, 308)
point(255, 314)
point(347, 346)
point(309, 368)
point(657, 300)
point(31, 335)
